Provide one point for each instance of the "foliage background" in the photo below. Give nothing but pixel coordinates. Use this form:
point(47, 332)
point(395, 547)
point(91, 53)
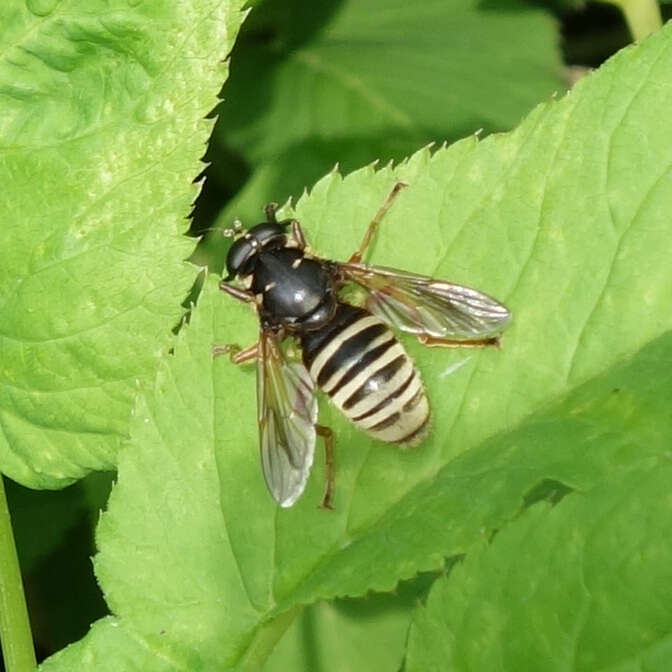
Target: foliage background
point(293, 108)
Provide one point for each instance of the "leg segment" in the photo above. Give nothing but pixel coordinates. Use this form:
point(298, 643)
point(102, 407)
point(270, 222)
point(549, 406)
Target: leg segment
point(356, 258)
point(431, 342)
point(269, 210)
point(236, 292)
point(236, 353)
point(298, 235)
point(328, 437)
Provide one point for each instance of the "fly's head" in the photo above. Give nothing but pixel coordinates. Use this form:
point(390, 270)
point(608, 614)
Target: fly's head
point(249, 243)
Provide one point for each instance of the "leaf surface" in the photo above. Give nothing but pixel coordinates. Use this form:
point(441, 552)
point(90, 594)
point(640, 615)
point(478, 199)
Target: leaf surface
point(351, 82)
point(101, 136)
point(347, 636)
point(566, 221)
point(376, 66)
point(585, 586)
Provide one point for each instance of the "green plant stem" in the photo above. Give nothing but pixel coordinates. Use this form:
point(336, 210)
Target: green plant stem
point(642, 16)
point(265, 639)
point(17, 641)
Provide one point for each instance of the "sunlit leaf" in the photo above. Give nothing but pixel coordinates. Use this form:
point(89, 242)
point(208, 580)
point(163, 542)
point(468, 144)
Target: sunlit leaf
point(362, 80)
point(101, 134)
point(566, 220)
point(586, 586)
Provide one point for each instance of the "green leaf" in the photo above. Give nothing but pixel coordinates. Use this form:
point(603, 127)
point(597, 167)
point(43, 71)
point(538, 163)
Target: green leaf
point(352, 82)
point(379, 67)
point(642, 16)
point(566, 220)
point(291, 172)
point(348, 635)
point(101, 136)
point(584, 586)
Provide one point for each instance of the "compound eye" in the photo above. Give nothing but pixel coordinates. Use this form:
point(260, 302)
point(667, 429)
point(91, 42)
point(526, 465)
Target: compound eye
point(239, 257)
point(269, 234)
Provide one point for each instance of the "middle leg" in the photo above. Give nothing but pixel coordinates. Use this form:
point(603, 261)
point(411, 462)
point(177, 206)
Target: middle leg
point(328, 437)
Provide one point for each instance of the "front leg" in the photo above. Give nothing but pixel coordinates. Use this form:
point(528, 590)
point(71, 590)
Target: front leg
point(297, 231)
point(236, 292)
point(298, 235)
point(269, 210)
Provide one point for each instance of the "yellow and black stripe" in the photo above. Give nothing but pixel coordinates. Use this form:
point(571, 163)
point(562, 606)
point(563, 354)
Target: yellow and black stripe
point(359, 363)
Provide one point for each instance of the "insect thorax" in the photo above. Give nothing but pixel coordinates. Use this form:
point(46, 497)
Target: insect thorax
point(294, 291)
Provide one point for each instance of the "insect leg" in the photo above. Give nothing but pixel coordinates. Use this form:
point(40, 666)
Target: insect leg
point(298, 235)
point(269, 210)
point(431, 342)
point(236, 353)
point(371, 231)
point(236, 292)
point(328, 437)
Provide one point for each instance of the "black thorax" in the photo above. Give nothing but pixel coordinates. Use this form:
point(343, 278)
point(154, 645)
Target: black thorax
point(296, 292)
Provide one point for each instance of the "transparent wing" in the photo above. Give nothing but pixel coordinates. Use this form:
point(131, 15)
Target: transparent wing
point(421, 305)
point(287, 408)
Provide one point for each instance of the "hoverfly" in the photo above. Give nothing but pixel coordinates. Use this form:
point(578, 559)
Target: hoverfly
point(348, 351)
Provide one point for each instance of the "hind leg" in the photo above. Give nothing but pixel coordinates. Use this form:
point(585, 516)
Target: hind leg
point(328, 437)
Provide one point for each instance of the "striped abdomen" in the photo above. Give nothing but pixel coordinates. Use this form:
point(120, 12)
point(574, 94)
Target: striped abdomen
point(359, 363)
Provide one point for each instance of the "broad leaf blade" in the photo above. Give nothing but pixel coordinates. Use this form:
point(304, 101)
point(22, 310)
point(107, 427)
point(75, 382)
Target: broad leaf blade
point(374, 80)
point(552, 220)
point(376, 67)
point(348, 635)
point(101, 136)
point(585, 586)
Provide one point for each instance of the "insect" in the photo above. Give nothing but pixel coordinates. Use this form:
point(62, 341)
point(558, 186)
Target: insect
point(348, 351)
